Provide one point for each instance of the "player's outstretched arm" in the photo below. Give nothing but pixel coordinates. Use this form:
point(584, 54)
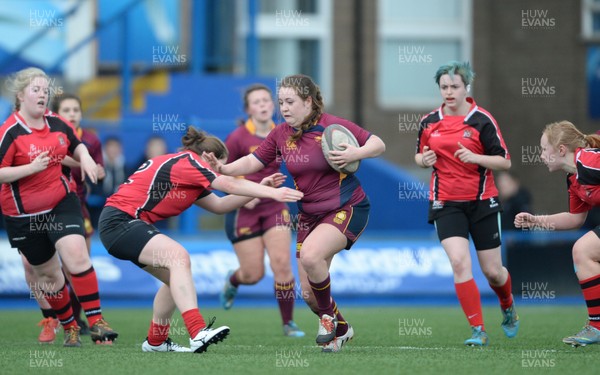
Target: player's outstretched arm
point(222, 205)
point(560, 221)
point(243, 166)
point(247, 188)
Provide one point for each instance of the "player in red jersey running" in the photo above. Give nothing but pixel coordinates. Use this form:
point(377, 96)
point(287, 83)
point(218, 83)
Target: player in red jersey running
point(335, 208)
point(163, 187)
point(463, 144)
point(41, 211)
point(565, 148)
point(262, 223)
point(69, 107)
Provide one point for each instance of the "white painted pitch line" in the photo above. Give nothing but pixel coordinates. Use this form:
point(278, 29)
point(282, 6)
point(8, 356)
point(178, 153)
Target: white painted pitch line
point(397, 347)
point(358, 347)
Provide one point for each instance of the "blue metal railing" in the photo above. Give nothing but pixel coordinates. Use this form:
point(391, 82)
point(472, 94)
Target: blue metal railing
point(201, 58)
point(34, 38)
point(199, 42)
point(252, 39)
point(121, 16)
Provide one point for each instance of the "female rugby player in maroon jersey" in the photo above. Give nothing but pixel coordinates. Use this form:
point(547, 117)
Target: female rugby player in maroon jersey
point(335, 208)
point(565, 148)
point(163, 187)
point(463, 144)
point(262, 223)
point(41, 210)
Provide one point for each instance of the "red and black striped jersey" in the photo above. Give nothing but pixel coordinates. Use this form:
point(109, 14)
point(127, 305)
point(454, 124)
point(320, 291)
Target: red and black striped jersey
point(451, 179)
point(584, 185)
point(20, 145)
point(164, 186)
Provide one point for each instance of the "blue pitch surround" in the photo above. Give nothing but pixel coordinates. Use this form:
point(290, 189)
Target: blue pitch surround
point(382, 269)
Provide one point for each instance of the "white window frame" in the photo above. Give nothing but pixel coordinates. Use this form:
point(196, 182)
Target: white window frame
point(415, 32)
point(320, 29)
point(588, 8)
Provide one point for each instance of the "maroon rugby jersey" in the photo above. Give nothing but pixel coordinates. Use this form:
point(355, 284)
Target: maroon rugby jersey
point(451, 179)
point(243, 141)
point(584, 186)
point(164, 186)
point(91, 141)
point(324, 188)
point(20, 145)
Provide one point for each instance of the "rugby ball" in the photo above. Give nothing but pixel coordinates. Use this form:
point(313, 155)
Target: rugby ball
point(332, 137)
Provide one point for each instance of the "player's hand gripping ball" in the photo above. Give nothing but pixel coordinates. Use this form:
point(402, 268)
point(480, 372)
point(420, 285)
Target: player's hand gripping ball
point(333, 136)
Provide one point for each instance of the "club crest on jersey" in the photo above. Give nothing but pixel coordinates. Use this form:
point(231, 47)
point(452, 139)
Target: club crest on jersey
point(244, 230)
point(290, 146)
point(467, 134)
point(493, 203)
point(340, 217)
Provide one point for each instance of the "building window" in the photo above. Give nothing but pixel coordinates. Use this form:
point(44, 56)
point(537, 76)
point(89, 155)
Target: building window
point(414, 39)
point(294, 36)
point(590, 19)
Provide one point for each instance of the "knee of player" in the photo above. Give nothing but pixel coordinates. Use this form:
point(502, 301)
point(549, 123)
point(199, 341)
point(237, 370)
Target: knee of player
point(251, 276)
point(254, 278)
point(281, 268)
point(310, 259)
point(460, 265)
point(580, 253)
point(47, 276)
point(78, 263)
point(493, 274)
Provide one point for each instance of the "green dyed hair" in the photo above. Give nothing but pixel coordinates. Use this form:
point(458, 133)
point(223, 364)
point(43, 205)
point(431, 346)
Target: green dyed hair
point(463, 69)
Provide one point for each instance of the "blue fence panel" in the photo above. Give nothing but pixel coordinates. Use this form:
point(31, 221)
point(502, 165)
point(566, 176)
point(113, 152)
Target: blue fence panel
point(372, 268)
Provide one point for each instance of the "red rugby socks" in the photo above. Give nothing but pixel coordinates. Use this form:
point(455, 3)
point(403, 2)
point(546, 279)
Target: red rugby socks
point(194, 322)
point(158, 333)
point(504, 293)
point(61, 304)
point(591, 293)
point(468, 296)
point(86, 288)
